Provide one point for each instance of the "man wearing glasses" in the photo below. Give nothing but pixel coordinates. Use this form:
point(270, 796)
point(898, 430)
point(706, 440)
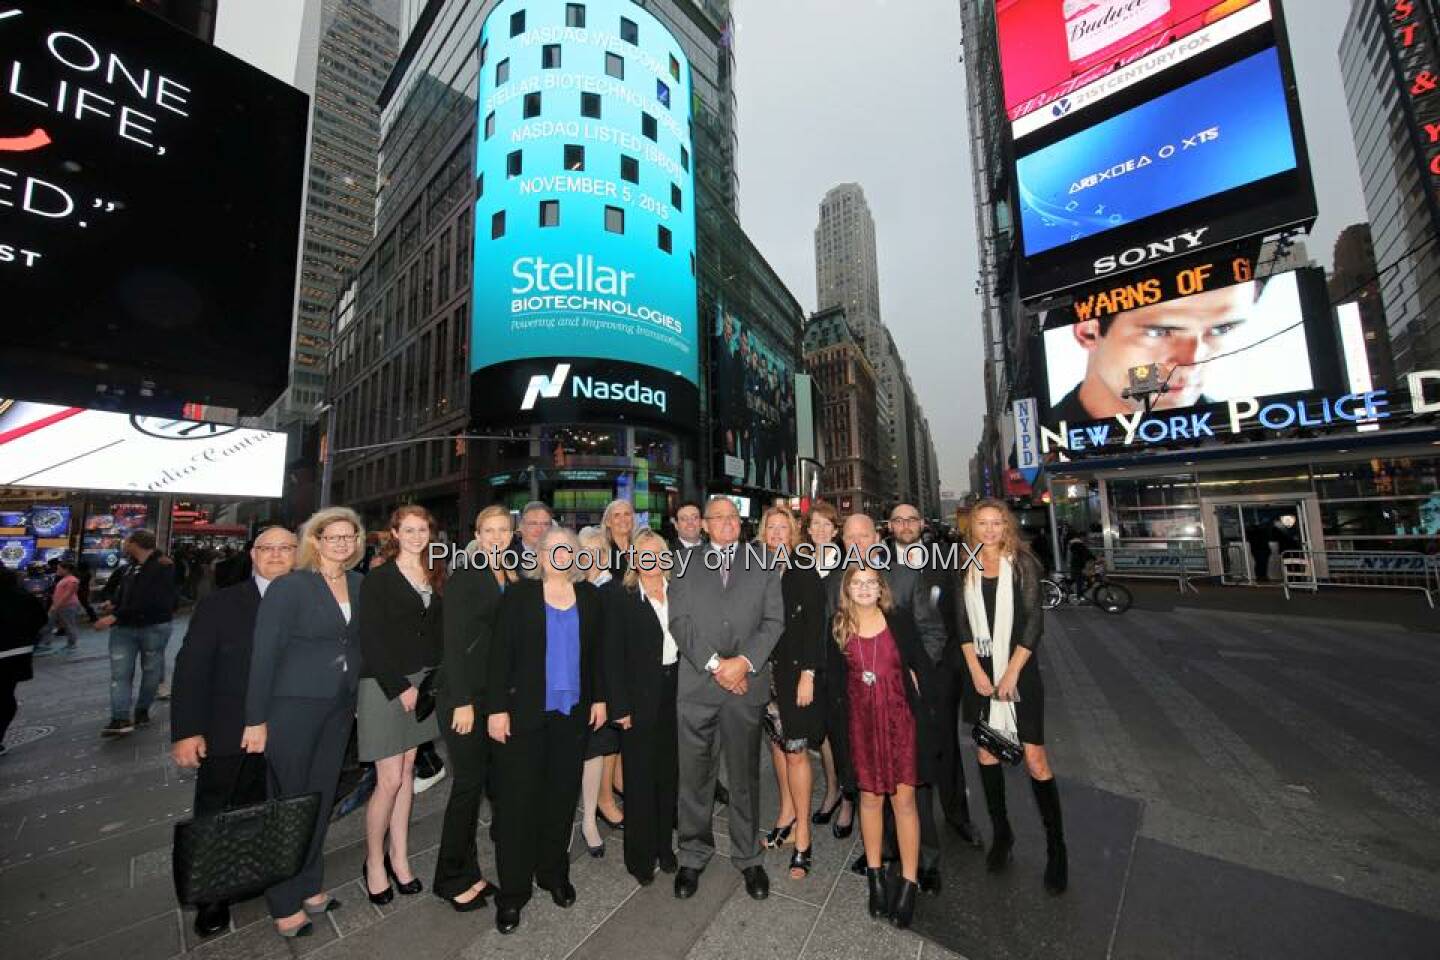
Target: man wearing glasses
point(726, 614)
point(207, 712)
point(906, 526)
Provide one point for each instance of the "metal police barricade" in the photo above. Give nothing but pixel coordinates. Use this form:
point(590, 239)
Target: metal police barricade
point(1180, 562)
point(1368, 569)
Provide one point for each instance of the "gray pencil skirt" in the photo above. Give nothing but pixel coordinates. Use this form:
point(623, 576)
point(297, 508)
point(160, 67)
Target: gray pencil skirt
point(387, 729)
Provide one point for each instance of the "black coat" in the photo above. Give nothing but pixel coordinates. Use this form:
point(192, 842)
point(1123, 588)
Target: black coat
point(470, 619)
point(802, 645)
point(642, 645)
point(303, 646)
point(516, 684)
point(21, 618)
point(144, 594)
point(923, 698)
point(212, 669)
point(399, 635)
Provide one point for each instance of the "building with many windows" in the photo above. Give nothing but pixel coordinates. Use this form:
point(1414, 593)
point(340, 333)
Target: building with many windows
point(848, 423)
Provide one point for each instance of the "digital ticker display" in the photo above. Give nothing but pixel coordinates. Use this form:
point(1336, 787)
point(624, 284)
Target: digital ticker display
point(585, 296)
point(150, 192)
point(1215, 134)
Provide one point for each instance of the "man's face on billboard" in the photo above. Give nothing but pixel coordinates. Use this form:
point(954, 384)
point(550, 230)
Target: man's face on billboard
point(1173, 334)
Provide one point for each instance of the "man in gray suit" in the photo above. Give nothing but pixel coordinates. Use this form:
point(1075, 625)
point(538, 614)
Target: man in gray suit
point(726, 614)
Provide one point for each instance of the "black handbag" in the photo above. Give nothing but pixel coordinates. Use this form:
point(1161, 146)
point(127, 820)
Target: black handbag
point(425, 701)
point(242, 852)
point(997, 744)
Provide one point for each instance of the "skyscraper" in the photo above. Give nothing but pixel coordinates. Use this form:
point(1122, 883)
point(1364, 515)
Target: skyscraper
point(846, 272)
point(1391, 111)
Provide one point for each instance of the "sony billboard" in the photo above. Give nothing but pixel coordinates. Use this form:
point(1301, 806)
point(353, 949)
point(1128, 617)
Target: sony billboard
point(585, 302)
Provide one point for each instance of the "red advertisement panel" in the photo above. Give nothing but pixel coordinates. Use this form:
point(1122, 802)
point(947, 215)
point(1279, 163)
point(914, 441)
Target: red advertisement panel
point(1051, 48)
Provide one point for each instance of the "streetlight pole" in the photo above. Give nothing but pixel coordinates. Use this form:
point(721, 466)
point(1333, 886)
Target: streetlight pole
point(327, 468)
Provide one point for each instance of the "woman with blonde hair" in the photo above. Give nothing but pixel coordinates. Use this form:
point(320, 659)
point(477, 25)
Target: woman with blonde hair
point(890, 727)
point(618, 522)
point(402, 640)
point(545, 693)
point(1000, 623)
point(300, 702)
point(643, 702)
point(602, 750)
point(470, 616)
point(796, 660)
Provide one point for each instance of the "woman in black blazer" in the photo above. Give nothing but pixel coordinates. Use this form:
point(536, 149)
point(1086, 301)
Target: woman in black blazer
point(796, 659)
point(472, 611)
point(400, 636)
point(300, 702)
point(542, 704)
point(644, 703)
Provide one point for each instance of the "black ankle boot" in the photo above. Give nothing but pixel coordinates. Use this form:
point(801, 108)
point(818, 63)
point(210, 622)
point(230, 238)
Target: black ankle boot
point(902, 905)
point(1002, 839)
point(879, 891)
point(1057, 862)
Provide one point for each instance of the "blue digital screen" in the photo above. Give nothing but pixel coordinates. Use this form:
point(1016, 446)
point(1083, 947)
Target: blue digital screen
point(1220, 132)
point(585, 219)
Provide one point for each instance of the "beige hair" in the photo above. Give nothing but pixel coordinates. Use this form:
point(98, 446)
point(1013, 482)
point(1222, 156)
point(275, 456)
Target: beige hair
point(598, 540)
point(494, 510)
point(546, 545)
point(793, 539)
point(308, 557)
point(643, 535)
point(845, 619)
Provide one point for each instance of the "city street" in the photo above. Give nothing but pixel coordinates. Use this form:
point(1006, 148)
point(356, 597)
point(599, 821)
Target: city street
point(1235, 784)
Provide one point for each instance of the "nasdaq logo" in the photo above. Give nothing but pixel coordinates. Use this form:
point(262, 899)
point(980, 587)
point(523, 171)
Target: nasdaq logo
point(543, 386)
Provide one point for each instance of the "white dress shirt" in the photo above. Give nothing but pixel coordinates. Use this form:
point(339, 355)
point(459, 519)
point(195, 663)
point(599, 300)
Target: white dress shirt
point(669, 650)
point(261, 584)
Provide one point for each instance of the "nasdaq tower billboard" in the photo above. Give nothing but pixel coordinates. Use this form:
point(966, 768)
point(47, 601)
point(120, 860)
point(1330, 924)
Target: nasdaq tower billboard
point(584, 303)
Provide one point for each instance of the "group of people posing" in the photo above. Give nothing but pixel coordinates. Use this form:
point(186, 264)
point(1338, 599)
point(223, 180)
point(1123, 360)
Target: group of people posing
point(603, 657)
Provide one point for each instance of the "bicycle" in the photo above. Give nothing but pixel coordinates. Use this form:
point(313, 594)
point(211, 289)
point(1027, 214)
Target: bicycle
point(1113, 598)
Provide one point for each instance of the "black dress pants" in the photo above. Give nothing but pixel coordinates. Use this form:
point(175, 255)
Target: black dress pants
point(537, 784)
point(650, 752)
point(228, 781)
point(458, 867)
point(950, 779)
point(304, 749)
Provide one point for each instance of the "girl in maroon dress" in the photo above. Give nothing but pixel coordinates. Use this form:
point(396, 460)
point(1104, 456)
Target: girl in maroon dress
point(889, 730)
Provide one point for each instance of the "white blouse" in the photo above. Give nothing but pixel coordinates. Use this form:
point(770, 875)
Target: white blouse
point(669, 649)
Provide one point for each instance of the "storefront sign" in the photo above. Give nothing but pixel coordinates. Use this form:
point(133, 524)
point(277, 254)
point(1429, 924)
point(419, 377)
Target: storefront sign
point(1240, 416)
point(1027, 447)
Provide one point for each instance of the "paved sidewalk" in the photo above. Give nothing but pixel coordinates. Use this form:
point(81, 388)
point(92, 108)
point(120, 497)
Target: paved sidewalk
point(1235, 784)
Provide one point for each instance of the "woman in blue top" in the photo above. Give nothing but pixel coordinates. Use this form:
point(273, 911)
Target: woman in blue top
point(545, 693)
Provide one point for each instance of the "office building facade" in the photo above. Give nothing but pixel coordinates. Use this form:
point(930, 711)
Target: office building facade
point(852, 478)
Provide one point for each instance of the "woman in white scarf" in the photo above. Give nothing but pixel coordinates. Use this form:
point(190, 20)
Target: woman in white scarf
point(1000, 621)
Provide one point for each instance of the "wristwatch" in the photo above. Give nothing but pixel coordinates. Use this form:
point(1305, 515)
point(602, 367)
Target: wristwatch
point(713, 663)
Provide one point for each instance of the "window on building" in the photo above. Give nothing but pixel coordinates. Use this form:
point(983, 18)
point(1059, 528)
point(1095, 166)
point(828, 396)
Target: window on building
point(574, 157)
point(575, 15)
point(614, 220)
point(665, 241)
point(684, 159)
point(497, 225)
point(502, 72)
point(489, 125)
point(674, 68)
point(550, 56)
point(590, 105)
point(514, 164)
point(532, 105)
point(549, 213)
point(484, 52)
point(675, 197)
point(615, 66)
point(649, 126)
point(662, 93)
point(479, 186)
point(517, 23)
point(629, 169)
point(629, 30)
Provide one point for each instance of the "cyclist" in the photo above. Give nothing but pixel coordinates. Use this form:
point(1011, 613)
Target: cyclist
point(1078, 557)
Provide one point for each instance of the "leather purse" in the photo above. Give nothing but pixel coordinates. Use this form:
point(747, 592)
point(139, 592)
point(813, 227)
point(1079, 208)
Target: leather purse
point(997, 744)
point(425, 702)
point(240, 853)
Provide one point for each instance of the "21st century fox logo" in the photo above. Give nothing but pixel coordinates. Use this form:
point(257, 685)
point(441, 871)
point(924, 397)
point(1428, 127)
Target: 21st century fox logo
point(548, 387)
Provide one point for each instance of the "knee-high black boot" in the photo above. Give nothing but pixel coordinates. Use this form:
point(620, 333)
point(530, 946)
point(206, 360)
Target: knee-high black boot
point(1057, 866)
point(1002, 840)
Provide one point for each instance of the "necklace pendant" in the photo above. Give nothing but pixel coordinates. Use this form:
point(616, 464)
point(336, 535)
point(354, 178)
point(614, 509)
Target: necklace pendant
point(868, 678)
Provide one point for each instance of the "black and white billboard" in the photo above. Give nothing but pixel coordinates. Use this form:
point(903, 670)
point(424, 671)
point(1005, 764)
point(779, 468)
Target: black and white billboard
point(150, 189)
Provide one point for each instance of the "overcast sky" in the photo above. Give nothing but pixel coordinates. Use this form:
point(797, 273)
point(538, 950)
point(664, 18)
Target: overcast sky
point(873, 91)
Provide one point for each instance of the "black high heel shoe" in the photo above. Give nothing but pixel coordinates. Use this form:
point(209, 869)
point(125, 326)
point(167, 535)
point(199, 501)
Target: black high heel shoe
point(384, 896)
point(414, 886)
point(480, 901)
point(800, 860)
point(842, 832)
point(822, 816)
point(879, 900)
point(779, 836)
point(612, 824)
point(902, 907)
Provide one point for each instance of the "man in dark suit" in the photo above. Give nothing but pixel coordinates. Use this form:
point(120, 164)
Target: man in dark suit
point(207, 710)
point(688, 521)
point(726, 614)
point(909, 551)
point(909, 592)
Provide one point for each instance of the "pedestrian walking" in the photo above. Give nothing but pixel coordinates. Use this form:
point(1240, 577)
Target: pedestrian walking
point(142, 602)
point(22, 617)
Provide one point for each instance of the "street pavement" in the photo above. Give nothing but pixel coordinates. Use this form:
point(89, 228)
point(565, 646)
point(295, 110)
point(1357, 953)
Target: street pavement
point(1236, 784)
